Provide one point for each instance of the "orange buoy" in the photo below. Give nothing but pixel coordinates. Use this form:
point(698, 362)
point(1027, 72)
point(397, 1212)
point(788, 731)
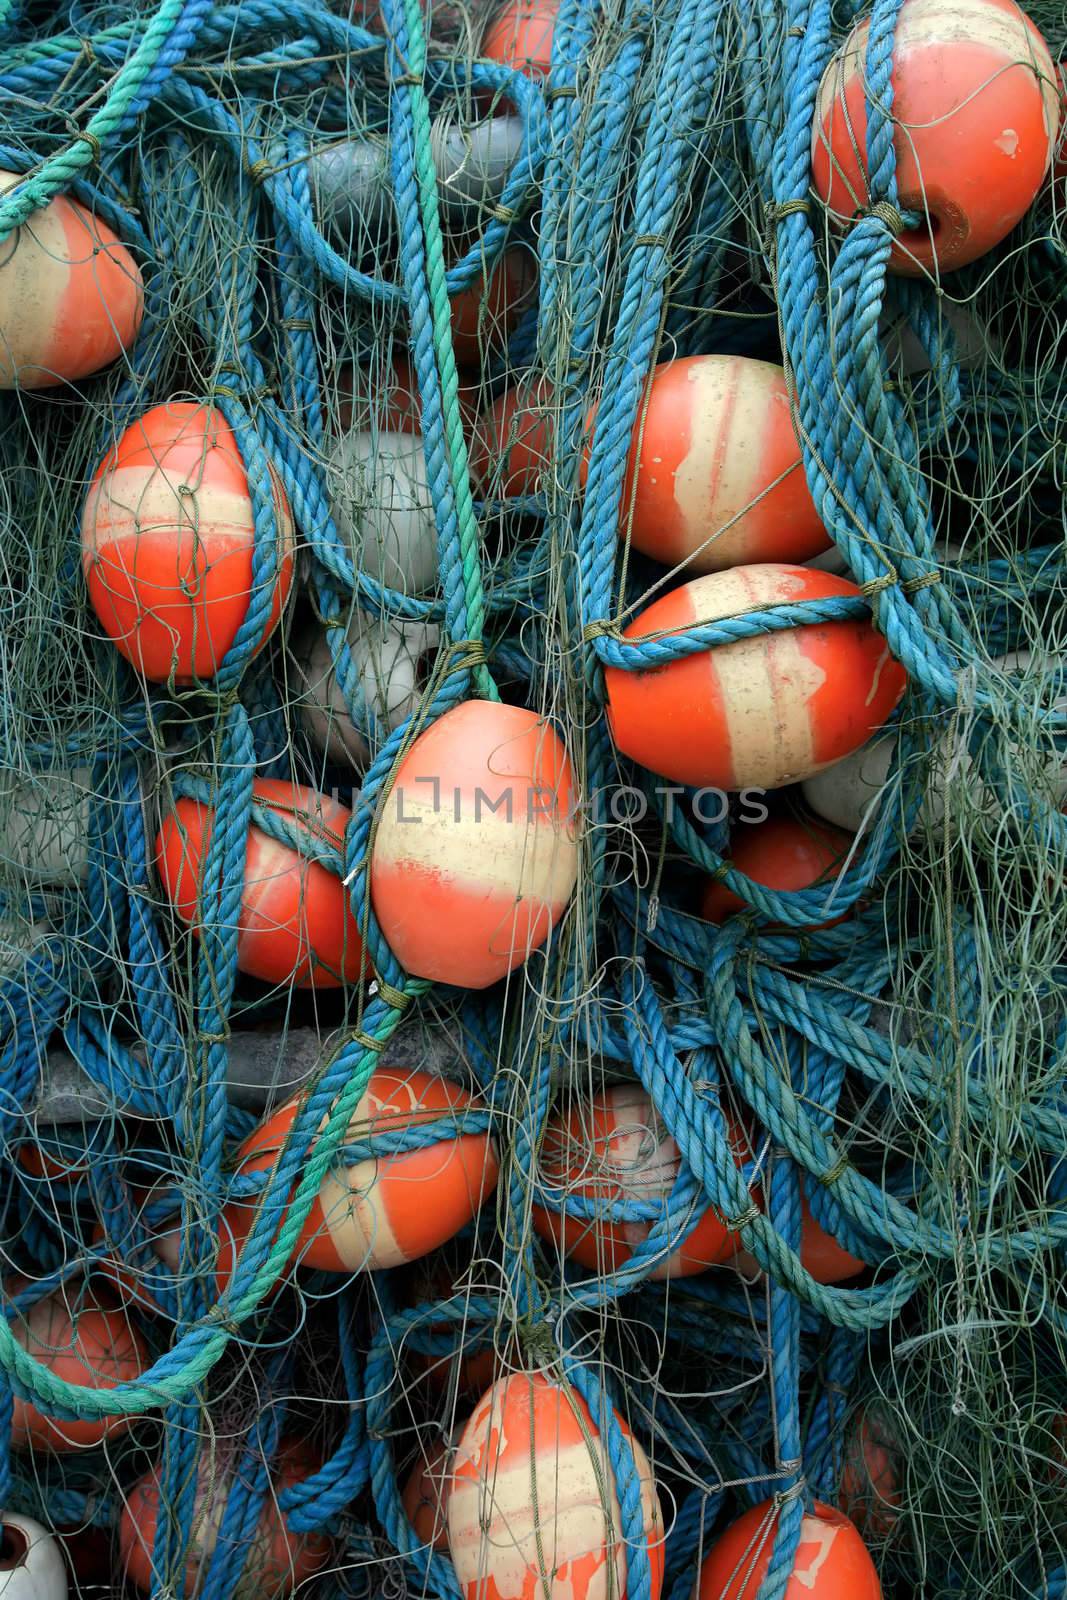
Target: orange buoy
point(513, 442)
point(1059, 161)
point(295, 922)
point(393, 406)
point(83, 1338)
point(279, 1560)
point(387, 1209)
point(715, 476)
point(475, 856)
point(975, 113)
point(869, 1488)
point(820, 1254)
point(485, 315)
point(425, 1496)
point(783, 853)
point(614, 1147)
point(832, 1561)
point(167, 543)
point(520, 36)
point(71, 296)
point(533, 1512)
point(763, 711)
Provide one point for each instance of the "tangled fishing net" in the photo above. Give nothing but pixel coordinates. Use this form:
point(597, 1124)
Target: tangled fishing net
point(878, 1062)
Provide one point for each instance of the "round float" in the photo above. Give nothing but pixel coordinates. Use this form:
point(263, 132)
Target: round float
point(383, 506)
point(475, 856)
point(485, 315)
point(762, 712)
point(975, 114)
point(869, 1488)
point(167, 544)
point(615, 1148)
point(520, 36)
point(832, 1562)
point(31, 1561)
point(393, 660)
point(82, 1337)
point(783, 853)
point(533, 1508)
point(295, 924)
point(71, 296)
point(387, 1209)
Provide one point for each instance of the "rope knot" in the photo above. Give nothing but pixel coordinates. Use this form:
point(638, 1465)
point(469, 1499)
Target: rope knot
point(886, 212)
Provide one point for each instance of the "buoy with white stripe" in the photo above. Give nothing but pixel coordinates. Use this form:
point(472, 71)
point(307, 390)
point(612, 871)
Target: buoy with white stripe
point(388, 1209)
point(614, 1148)
point(520, 36)
point(849, 792)
point(276, 1562)
point(71, 296)
point(31, 1561)
point(476, 854)
point(82, 1336)
point(832, 1562)
point(426, 1492)
point(382, 503)
point(715, 477)
point(533, 1509)
point(975, 112)
point(783, 853)
point(393, 660)
point(295, 923)
point(761, 712)
point(167, 544)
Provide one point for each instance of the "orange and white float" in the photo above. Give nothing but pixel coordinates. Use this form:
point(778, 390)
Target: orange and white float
point(278, 1561)
point(71, 296)
point(393, 660)
point(167, 544)
point(425, 1496)
point(975, 114)
point(760, 712)
point(475, 856)
point(31, 1561)
point(85, 1338)
point(832, 1562)
point(520, 36)
point(295, 923)
point(533, 1511)
point(715, 477)
point(388, 1209)
point(783, 853)
point(382, 504)
point(614, 1148)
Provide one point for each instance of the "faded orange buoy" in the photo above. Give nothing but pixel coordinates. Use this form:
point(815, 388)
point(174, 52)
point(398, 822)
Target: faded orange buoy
point(975, 113)
point(167, 544)
point(475, 856)
point(278, 1561)
point(783, 853)
point(533, 1512)
point(832, 1562)
point(486, 314)
point(425, 1496)
point(386, 1209)
point(295, 924)
point(715, 477)
point(84, 1338)
point(614, 1148)
point(520, 36)
point(71, 296)
point(763, 711)
point(869, 1488)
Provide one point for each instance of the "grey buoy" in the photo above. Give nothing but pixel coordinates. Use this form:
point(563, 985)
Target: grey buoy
point(31, 1563)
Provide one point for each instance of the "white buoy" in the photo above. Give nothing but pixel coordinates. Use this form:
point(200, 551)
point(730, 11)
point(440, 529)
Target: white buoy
point(848, 794)
point(31, 1562)
point(391, 658)
point(473, 160)
point(44, 828)
point(906, 355)
point(381, 500)
point(351, 194)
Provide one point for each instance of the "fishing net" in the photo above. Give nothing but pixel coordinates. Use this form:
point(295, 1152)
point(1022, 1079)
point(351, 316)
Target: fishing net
point(349, 280)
